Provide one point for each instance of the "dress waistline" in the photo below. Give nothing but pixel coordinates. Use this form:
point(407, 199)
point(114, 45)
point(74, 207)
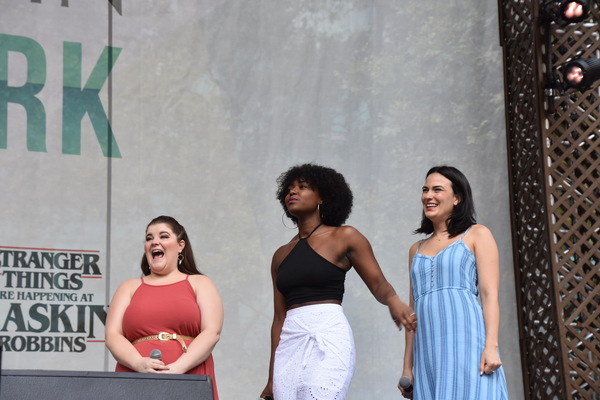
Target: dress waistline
point(164, 336)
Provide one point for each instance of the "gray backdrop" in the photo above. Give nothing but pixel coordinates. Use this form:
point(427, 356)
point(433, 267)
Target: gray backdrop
point(209, 101)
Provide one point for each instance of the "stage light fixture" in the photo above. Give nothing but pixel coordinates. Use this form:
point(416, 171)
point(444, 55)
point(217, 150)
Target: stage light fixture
point(575, 10)
point(581, 74)
point(565, 12)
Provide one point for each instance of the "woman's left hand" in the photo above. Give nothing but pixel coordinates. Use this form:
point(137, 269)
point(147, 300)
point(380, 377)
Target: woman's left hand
point(490, 361)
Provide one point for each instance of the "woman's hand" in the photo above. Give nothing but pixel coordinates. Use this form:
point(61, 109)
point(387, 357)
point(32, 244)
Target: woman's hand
point(267, 391)
point(151, 365)
point(405, 393)
point(402, 314)
point(490, 361)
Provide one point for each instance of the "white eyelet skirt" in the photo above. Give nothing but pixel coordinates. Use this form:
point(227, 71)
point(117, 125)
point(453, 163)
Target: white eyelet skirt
point(315, 358)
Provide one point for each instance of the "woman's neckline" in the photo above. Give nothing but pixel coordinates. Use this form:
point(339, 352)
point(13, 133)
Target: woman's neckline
point(165, 284)
point(442, 250)
point(313, 231)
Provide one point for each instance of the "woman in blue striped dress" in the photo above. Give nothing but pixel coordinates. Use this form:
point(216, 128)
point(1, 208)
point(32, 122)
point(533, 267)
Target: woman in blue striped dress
point(455, 279)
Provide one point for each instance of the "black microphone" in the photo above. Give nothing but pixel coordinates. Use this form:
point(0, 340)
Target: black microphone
point(406, 384)
point(156, 354)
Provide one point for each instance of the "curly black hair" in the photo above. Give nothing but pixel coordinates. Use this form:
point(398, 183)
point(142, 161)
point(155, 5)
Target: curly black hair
point(463, 215)
point(188, 264)
point(331, 185)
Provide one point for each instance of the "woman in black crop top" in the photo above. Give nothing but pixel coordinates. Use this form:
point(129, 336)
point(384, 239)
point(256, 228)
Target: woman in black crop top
point(312, 348)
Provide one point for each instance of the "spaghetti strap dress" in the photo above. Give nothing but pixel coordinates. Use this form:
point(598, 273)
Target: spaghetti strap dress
point(451, 333)
point(165, 308)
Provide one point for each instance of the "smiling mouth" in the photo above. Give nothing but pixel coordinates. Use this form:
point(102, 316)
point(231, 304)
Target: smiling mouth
point(157, 254)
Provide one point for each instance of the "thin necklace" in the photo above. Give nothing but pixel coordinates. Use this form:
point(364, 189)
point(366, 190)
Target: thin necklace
point(435, 236)
point(313, 231)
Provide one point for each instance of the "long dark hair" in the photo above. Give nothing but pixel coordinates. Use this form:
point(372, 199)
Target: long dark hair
point(331, 185)
point(188, 265)
point(463, 214)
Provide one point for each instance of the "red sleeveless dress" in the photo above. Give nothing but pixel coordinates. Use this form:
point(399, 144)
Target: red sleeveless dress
point(166, 308)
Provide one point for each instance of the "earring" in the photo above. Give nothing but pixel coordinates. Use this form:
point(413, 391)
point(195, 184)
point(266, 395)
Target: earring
point(283, 221)
point(180, 258)
point(319, 210)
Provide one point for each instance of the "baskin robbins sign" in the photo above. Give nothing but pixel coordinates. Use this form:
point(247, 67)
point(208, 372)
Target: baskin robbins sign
point(48, 300)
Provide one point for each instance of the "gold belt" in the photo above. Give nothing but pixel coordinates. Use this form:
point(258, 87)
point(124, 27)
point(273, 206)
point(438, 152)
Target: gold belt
point(163, 336)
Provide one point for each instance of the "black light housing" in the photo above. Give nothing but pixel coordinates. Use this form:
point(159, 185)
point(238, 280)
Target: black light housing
point(581, 74)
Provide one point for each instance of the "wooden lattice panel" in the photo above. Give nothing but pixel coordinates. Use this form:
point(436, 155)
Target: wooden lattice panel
point(571, 150)
point(540, 338)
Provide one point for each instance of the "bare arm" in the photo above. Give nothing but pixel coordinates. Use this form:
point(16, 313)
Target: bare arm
point(488, 272)
point(360, 254)
point(121, 348)
point(278, 318)
point(409, 336)
point(211, 309)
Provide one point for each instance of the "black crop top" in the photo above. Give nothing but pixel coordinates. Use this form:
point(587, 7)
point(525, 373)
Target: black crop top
point(305, 276)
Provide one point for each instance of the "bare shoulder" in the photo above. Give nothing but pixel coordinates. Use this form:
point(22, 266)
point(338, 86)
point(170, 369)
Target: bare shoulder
point(130, 285)
point(347, 232)
point(479, 231)
point(413, 248)
point(480, 238)
point(283, 251)
point(126, 290)
point(286, 247)
point(200, 281)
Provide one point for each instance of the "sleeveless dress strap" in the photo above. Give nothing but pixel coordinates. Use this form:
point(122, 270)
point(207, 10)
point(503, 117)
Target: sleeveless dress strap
point(419, 246)
point(464, 233)
point(142, 278)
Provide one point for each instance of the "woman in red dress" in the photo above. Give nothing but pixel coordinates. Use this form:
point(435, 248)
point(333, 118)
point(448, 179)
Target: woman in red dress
point(173, 308)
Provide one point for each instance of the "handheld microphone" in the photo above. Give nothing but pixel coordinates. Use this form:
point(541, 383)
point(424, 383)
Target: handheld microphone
point(156, 354)
point(406, 384)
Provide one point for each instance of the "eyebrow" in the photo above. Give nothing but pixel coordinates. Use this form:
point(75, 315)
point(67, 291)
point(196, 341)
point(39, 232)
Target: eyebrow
point(160, 233)
point(299, 180)
point(434, 187)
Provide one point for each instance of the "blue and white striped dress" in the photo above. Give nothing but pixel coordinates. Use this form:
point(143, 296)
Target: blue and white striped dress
point(451, 331)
